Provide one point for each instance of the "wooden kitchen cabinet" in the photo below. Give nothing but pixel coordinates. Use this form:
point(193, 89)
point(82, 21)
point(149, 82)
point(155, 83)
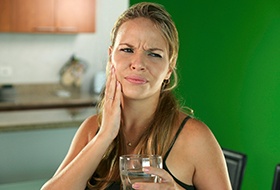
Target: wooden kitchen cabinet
point(5, 15)
point(75, 15)
point(33, 16)
point(50, 16)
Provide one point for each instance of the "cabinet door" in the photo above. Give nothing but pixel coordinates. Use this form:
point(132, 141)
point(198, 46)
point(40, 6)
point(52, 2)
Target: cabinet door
point(75, 16)
point(33, 16)
point(5, 15)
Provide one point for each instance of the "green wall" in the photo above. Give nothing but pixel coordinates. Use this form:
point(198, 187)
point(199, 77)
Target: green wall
point(229, 68)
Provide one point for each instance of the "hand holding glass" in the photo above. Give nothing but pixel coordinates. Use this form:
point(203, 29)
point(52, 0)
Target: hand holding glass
point(131, 169)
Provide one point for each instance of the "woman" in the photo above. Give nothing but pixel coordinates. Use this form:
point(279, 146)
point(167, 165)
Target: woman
point(138, 114)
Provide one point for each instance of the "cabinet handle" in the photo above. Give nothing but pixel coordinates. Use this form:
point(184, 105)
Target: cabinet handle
point(67, 29)
point(45, 29)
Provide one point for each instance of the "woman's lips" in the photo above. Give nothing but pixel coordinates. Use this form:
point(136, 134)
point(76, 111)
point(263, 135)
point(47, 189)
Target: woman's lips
point(136, 79)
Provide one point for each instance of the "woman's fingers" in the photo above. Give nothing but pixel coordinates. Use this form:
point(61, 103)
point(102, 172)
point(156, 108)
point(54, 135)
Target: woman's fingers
point(118, 93)
point(165, 180)
point(111, 85)
point(164, 175)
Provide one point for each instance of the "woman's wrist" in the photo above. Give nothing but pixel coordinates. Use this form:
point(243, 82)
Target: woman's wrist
point(105, 137)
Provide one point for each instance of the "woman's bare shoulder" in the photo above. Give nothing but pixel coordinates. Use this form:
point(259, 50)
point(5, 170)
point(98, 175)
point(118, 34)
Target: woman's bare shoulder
point(187, 148)
point(198, 144)
point(196, 129)
point(199, 138)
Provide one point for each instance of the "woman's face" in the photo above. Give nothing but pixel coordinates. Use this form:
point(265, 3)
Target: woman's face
point(140, 58)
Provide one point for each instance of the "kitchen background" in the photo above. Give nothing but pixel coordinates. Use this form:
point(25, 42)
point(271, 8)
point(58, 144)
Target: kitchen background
point(38, 58)
point(229, 74)
point(29, 58)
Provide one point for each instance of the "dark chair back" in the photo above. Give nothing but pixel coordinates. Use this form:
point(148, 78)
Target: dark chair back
point(276, 181)
point(236, 162)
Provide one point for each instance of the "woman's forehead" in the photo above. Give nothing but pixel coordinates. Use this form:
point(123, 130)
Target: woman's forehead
point(141, 30)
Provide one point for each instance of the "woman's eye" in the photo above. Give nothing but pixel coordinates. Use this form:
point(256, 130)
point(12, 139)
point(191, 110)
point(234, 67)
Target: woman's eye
point(128, 50)
point(155, 55)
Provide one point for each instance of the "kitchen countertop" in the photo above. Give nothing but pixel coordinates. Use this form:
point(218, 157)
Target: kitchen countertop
point(44, 106)
point(30, 127)
point(47, 96)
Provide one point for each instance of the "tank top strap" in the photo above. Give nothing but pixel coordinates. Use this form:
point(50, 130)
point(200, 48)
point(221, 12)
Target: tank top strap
point(176, 136)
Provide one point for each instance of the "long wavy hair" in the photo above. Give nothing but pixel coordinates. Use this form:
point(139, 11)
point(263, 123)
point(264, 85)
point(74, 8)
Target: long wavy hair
point(157, 138)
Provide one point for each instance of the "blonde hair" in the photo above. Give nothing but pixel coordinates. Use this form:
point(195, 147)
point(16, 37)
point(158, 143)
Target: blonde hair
point(156, 139)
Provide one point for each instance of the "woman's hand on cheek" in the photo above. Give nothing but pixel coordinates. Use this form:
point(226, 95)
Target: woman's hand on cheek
point(165, 180)
point(112, 106)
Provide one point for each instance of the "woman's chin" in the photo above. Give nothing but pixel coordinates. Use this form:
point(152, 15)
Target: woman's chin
point(132, 96)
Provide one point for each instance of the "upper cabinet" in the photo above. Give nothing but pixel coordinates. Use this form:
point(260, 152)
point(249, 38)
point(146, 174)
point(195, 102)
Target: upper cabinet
point(48, 16)
point(33, 16)
point(75, 15)
point(5, 15)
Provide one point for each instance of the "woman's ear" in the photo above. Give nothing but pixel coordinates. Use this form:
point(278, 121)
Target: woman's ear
point(168, 74)
point(110, 50)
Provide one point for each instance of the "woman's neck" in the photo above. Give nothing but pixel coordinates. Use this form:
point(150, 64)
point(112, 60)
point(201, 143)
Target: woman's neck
point(138, 113)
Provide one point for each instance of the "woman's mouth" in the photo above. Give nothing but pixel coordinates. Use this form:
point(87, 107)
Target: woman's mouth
point(136, 79)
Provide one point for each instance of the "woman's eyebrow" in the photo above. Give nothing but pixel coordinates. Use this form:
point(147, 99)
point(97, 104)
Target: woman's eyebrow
point(148, 49)
point(155, 49)
point(126, 44)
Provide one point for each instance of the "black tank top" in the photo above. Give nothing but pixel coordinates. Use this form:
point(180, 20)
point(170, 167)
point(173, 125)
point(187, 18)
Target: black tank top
point(185, 186)
point(116, 185)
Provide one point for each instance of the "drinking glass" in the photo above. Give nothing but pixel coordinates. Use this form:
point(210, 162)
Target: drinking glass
point(131, 169)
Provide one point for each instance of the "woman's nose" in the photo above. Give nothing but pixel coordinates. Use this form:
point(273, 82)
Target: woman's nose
point(138, 62)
